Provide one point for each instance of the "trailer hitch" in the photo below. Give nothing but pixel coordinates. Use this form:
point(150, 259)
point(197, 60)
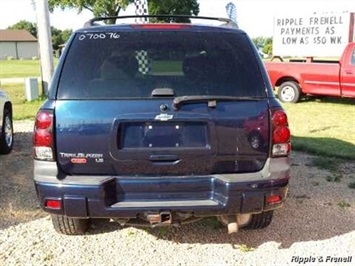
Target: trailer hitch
point(162, 218)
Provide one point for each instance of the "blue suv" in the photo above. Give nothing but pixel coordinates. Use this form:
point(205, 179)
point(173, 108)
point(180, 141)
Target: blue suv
point(161, 124)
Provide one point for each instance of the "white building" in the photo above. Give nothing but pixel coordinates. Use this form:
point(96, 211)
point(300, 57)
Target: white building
point(18, 44)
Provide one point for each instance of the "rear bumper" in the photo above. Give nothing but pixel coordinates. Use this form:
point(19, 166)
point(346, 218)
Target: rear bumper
point(130, 197)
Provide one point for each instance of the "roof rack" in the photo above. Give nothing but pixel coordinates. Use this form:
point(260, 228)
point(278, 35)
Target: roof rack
point(92, 21)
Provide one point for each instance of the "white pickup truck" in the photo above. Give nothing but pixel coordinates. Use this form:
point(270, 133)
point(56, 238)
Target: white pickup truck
point(6, 124)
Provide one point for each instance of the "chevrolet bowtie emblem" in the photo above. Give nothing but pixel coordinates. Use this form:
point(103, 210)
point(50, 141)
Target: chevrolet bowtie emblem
point(164, 117)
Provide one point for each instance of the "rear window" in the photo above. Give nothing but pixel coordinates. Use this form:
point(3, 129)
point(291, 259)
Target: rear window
point(132, 64)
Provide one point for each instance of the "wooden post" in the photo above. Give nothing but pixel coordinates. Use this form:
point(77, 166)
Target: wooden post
point(45, 44)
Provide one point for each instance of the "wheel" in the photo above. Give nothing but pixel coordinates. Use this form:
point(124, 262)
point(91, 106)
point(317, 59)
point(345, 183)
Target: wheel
point(69, 226)
point(289, 92)
point(260, 220)
point(7, 136)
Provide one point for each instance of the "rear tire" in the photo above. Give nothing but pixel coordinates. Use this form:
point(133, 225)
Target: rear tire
point(7, 135)
point(260, 220)
point(289, 92)
point(69, 226)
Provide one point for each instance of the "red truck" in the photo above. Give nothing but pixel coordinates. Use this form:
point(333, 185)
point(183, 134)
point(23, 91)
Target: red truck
point(314, 77)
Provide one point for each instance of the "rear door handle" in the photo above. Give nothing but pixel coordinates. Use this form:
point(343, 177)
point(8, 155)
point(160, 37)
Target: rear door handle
point(348, 72)
point(164, 158)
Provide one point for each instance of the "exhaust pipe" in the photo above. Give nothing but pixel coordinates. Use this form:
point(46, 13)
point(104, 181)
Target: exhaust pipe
point(232, 224)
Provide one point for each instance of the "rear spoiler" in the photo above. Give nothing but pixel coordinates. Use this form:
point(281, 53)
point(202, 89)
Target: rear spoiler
point(92, 21)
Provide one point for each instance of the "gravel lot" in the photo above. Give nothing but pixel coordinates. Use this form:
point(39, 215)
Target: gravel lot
point(312, 225)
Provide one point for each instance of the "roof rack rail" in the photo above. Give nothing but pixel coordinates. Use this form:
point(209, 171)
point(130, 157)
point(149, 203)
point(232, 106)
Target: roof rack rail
point(92, 21)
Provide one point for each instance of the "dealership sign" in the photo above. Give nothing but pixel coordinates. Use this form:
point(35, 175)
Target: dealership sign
point(313, 35)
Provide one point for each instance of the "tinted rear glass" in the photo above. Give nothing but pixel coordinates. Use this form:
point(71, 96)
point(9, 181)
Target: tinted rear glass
point(133, 64)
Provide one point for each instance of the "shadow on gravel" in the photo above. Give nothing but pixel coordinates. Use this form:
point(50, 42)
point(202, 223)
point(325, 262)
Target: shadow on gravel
point(290, 225)
point(312, 213)
point(316, 210)
point(18, 200)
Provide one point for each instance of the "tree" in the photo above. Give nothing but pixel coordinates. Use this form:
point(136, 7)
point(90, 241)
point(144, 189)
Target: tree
point(268, 46)
point(259, 41)
point(58, 36)
point(25, 25)
point(66, 35)
point(105, 8)
point(99, 8)
point(173, 7)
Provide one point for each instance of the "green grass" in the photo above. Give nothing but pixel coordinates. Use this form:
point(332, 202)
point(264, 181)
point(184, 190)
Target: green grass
point(32, 68)
point(334, 177)
point(331, 164)
point(343, 204)
point(167, 66)
point(20, 68)
point(212, 222)
point(21, 108)
point(244, 248)
point(323, 127)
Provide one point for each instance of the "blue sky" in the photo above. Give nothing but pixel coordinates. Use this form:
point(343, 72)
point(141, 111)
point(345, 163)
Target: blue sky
point(254, 16)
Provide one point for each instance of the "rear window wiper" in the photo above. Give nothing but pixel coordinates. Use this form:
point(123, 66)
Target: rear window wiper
point(210, 99)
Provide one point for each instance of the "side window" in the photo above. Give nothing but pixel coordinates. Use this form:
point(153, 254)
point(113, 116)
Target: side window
point(353, 57)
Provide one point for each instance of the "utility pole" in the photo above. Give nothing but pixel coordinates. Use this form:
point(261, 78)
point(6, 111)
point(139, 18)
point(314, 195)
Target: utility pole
point(45, 43)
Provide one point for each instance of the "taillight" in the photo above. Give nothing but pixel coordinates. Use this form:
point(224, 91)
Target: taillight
point(273, 199)
point(279, 118)
point(281, 135)
point(53, 204)
point(43, 136)
point(43, 120)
